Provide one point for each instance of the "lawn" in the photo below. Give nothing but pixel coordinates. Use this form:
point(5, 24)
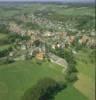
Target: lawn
point(17, 77)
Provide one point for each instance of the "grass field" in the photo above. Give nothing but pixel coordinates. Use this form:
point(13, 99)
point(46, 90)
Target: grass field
point(3, 37)
point(10, 11)
point(16, 78)
point(84, 88)
point(70, 93)
point(86, 75)
point(84, 62)
point(20, 76)
point(73, 11)
point(4, 47)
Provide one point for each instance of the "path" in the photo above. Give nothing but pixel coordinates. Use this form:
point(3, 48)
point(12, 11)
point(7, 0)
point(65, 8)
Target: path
point(58, 60)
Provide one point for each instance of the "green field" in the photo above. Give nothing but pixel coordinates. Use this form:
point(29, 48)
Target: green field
point(84, 88)
point(16, 78)
point(3, 37)
point(86, 82)
point(20, 76)
point(70, 93)
point(84, 63)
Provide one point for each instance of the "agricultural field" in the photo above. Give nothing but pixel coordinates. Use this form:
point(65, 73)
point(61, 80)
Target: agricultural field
point(86, 74)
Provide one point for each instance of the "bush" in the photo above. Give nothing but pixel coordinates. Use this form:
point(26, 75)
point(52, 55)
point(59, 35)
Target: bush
point(69, 57)
point(9, 61)
point(3, 28)
point(71, 77)
point(5, 52)
point(45, 89)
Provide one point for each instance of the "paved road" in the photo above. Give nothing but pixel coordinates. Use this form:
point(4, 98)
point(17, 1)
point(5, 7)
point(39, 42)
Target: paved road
point(57, 60)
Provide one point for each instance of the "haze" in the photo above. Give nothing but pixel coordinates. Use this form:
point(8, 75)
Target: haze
point(53, 0)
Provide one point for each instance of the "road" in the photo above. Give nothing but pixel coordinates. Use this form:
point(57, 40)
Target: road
point(57, 60)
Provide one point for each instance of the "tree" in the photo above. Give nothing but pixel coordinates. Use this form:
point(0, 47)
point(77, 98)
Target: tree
point(69, 57)
point(45, 89)
point(5, 52)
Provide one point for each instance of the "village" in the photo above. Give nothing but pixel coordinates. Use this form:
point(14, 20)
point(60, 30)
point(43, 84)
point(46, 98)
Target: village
point(47, 45)
point(39, 37)
point(39, 40)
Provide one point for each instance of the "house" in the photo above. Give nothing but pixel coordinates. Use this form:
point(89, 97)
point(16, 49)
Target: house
point(84, 39)
point(71, 39)
point(29, 32)
point(53, 46)
point(23, 47)
point(48, 34)
point(23, 32)
point(13, 27)
point(91, 43)
point(58, 45)
point(57, 60)
point(11, 54)
point(64, 33)
point(40, 56)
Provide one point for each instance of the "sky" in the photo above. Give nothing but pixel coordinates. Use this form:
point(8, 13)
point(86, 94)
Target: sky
point(55, 0)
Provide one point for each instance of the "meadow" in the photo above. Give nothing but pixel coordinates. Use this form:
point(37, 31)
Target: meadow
point(84, 88)
point(86, 75)
point(16, 78)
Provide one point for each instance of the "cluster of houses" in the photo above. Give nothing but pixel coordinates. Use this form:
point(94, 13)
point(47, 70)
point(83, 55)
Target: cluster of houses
point(46, 23)
point(53, 39)
point(57, 25)
point(32, 47)
point(63, 39)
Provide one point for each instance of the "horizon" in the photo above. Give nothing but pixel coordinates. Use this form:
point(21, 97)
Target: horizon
point(63, 1)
